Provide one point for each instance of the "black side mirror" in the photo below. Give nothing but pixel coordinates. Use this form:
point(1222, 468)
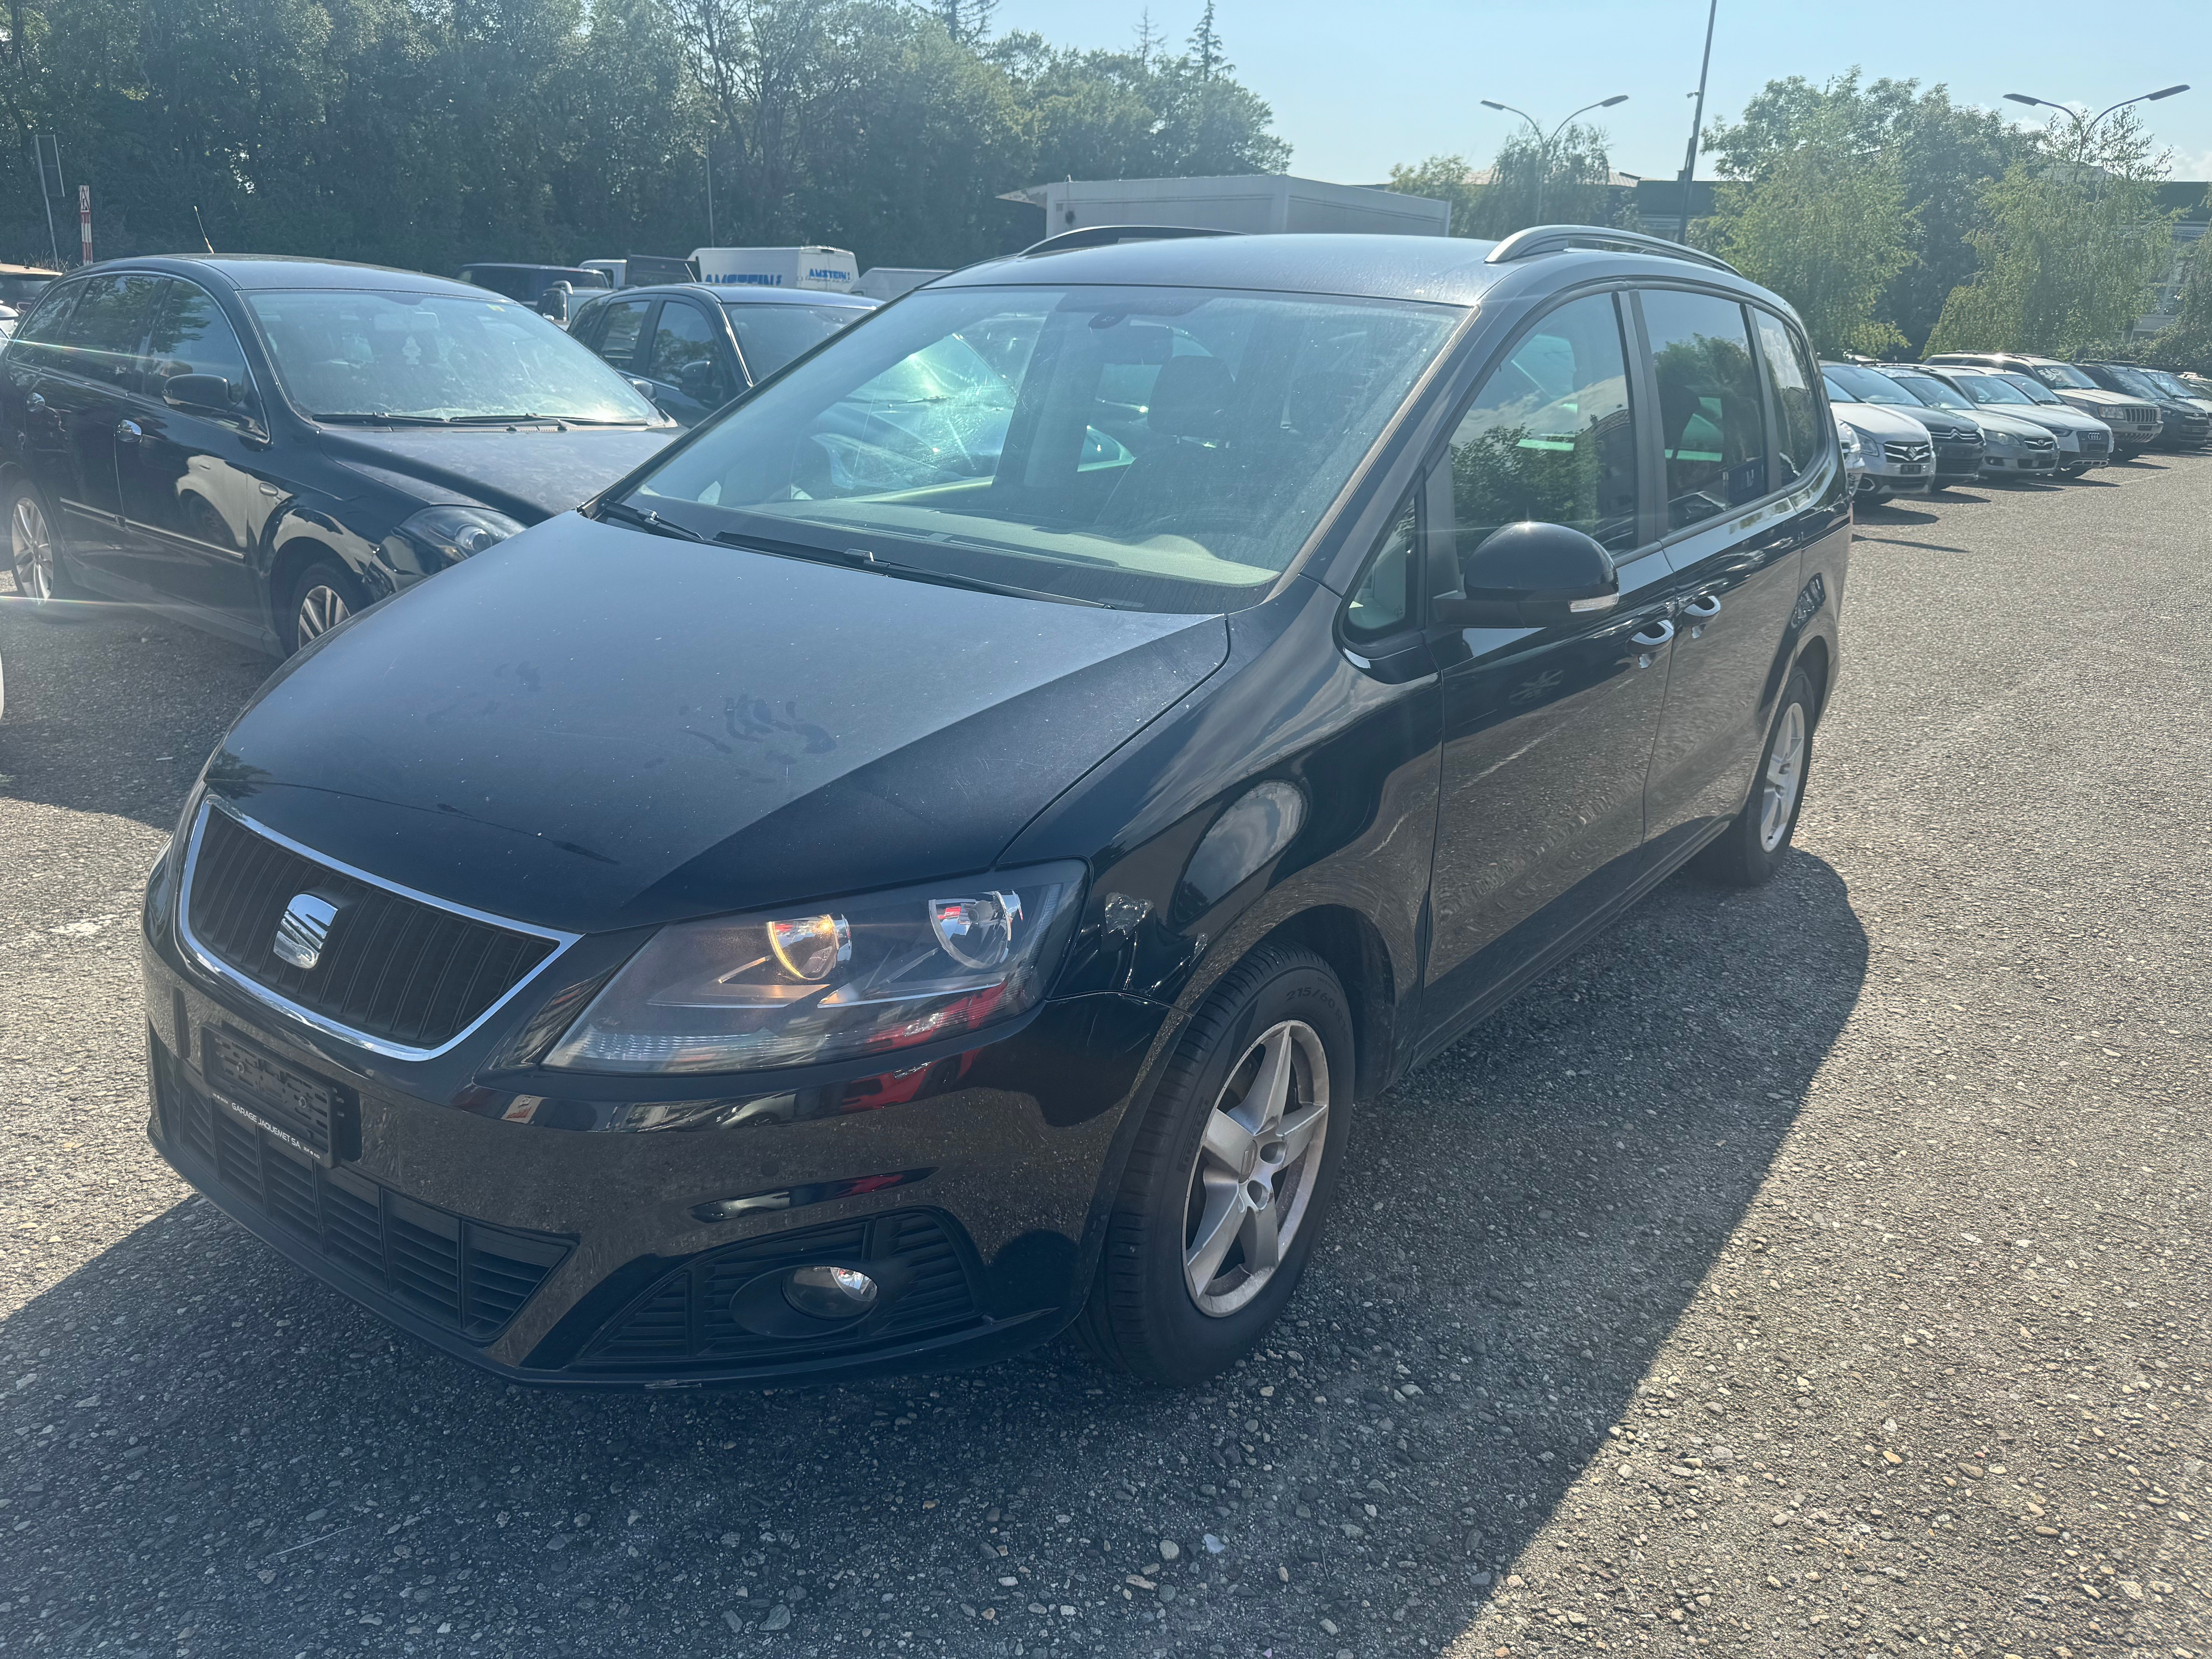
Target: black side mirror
point(201, 391)
point(1532, 575)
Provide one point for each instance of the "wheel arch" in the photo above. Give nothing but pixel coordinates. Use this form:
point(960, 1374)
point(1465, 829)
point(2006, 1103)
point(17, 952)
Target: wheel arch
point(1817, 665)
point(1352, 947)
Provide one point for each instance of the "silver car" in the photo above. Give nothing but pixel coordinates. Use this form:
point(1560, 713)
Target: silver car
point(2010, 447)
point(2084, 440)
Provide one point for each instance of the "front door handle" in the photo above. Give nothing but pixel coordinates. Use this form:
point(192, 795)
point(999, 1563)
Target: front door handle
point(1650, 639)
point(126, 432)
point(1703, 608)
point(34, 405)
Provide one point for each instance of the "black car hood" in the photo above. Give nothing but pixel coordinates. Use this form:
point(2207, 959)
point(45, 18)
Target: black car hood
point(530, 474)
point(589, 727)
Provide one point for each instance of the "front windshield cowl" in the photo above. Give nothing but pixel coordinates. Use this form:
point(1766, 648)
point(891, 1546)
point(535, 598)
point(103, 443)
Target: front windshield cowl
point(1165, 449)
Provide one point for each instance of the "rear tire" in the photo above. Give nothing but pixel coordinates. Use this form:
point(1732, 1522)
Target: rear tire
point(323, 594)
point(1751, 849)
point(1230, 1176)
point(42, 578)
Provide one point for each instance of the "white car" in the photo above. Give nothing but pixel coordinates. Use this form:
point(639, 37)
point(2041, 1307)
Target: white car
point(2010, 447)
point(1897, 458)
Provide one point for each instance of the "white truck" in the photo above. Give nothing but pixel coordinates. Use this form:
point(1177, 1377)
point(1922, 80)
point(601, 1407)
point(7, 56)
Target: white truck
point(1253, 203)
point(825, 270)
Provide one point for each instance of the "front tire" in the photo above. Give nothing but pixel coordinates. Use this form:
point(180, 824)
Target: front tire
point(35, 558)
point(1230, 1176)
point(322, 595)
point(1751, 849)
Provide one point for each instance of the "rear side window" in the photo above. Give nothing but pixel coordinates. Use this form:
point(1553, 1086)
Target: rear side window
point(1711, 428)
point(682, 337)
point(33, 342)
point(625, 318)
point(102, 338)
point(1789, 371)
point(1552, 435)
point(191, 335)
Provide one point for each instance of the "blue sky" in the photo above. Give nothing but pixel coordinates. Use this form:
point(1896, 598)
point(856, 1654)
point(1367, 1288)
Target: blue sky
point(1357, 86)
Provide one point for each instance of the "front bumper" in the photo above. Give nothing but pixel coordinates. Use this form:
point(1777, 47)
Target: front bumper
point(571, 1239)
point(2033, 462)
point(1958, 462)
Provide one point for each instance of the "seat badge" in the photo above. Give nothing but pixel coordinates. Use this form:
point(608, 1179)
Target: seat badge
point(306, 926)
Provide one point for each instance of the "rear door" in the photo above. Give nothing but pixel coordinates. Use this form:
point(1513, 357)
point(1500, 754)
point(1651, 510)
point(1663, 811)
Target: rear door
point(35, 429)
point(1740, 416)
point(196, 487)
point(1547, 732)
point(93, 375)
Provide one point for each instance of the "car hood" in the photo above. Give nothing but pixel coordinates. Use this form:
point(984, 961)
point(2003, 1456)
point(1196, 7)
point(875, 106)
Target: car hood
point(2015, 426)
point(2099, 397)
point(589, 728)
point(1877, 420)
point(2056, 417)
point(529, 474)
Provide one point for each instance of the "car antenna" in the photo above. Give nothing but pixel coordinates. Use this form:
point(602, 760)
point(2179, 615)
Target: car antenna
point(197, 220)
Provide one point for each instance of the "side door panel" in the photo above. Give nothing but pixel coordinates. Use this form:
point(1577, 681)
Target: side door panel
point(1737, 560)
point(97, 371)
point(1548, 734)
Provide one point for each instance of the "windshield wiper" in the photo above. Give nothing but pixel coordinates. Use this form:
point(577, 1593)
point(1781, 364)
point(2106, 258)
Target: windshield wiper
point(385, 420)
point(860, 558)
point(644, 518)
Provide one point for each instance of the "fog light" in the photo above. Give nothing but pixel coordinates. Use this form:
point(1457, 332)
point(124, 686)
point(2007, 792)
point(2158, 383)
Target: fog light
point(829, 1292)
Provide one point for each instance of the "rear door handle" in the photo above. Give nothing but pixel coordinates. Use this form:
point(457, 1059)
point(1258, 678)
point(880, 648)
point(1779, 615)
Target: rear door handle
point(34, 405)
point(127, 432)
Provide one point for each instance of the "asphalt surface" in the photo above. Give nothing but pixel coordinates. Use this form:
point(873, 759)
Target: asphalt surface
point(1818, 1270)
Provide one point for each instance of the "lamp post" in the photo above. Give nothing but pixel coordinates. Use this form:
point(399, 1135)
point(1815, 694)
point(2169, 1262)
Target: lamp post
point(2083, 128)
point(1697, 119)
point(1544, 144)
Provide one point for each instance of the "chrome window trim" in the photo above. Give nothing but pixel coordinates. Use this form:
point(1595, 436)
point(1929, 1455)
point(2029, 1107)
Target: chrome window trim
point(223, 971)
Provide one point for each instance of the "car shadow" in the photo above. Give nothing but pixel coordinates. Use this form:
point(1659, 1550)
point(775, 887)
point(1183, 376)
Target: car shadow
point(1890, 514)
point(235, 1448)
point(113, 708)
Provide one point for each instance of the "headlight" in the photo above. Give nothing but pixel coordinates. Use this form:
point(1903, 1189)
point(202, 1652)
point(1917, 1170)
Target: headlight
point(2000, 440)
point(808, 983)
point(457, 532)
point(1854, 443)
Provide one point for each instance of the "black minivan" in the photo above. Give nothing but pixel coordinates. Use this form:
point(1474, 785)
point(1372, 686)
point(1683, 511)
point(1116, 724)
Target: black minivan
point(949, 848)
point(265, 446)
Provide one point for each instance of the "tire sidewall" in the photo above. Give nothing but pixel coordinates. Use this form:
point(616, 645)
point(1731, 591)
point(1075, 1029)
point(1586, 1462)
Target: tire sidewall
point(1798, 690)
point(1191, 1344)
point(65, 584)
point(326, 572)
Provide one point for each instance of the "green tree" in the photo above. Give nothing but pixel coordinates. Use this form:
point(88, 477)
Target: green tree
point(2186, 342)
point(1944, 153)
point(2073, 243)
point(1823, 224)
point(1565, 181)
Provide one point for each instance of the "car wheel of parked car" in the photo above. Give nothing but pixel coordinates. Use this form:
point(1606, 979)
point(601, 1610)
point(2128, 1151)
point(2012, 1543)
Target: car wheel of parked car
point(322, 595)
point(1749, 851)
point(1231, 1175)
point(36, 561)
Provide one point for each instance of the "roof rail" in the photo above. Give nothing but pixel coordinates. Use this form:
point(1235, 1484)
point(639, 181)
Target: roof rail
point(1558, 239)
point(1107, 235)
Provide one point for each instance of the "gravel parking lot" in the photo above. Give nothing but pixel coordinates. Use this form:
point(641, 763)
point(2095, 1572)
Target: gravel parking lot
point(1812, 1271)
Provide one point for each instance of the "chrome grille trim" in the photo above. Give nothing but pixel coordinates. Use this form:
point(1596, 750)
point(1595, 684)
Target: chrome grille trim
point(215, 966)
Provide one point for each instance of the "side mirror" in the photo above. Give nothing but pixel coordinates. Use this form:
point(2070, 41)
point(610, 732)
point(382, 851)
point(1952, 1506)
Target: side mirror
point(553, 304)
point(201, 391)
point(643, 388)
point(1532, 575)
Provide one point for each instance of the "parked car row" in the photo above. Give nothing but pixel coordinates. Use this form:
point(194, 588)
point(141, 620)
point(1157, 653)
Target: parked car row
point(1909, 427)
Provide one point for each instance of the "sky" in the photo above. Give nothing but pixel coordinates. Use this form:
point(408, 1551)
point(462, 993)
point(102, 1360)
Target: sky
point(1359, 84)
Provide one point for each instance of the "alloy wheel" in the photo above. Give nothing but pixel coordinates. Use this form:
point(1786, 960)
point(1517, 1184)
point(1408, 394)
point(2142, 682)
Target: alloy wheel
point(33, 549)
point(1786, 776)
point(321, 609)
point(1255, 1174)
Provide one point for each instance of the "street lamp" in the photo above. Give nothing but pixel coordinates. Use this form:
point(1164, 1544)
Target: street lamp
point(2083, 128)
point(1544, 143)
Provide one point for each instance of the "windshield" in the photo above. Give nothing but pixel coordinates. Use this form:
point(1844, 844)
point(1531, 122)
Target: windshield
point(2133, 380)
point(2063, 374)
point(2169, 384)
point(1989, 389)
point(344, 354)
point(1863, 385)
point(771, 336)
point(2031, 388)
point(1932, 391)
point(1166, 449)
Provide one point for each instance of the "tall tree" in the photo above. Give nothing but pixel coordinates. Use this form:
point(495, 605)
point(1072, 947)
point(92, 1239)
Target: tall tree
point(1945, 155)
point(1567, 180)
point(1823, 224)
point(2073, 244)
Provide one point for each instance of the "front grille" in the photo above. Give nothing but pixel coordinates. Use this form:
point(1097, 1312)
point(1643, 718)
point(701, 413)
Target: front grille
point(391, 967)
point(464, 1275)
point(686, 1317)
point(1906, 450)
point(2049, 444)
point(2095, 443)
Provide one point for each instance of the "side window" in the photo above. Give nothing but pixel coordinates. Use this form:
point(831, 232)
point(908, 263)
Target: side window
point(682, 340)
point(102, 338)
point(1711, 427)
point(618, 345)
point(191, 335)
point(35, 344)
point(1384, 602)
point(1552, 435)
point(1791, 373)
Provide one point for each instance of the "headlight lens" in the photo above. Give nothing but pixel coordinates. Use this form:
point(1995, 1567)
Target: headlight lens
point(805, 984)
point(458, 532)
point(1854, 443)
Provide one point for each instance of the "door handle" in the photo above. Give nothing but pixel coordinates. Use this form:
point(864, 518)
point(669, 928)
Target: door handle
point(34, 405)
point(1703, 608)
point(126, 432)
point(1650, 639)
